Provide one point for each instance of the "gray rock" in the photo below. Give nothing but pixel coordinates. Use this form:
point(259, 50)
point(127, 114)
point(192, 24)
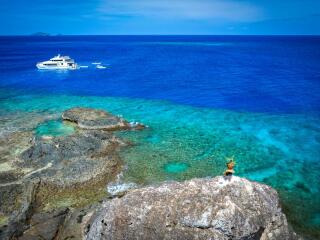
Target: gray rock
point(88, 118)
point(44, 226)
point(70, 170)
point(75, 224)
point(197, 209)
point(12, 144)
point(16, 204)
point(88, 153)
point(72, 159)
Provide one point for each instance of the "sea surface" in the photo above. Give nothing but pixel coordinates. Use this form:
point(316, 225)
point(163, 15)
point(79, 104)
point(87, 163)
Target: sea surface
point(204, 98)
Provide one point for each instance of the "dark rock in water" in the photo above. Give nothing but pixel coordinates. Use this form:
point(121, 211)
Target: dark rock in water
point(302, 186)
point(88, 118)
point(198, 209)
point(16, 204)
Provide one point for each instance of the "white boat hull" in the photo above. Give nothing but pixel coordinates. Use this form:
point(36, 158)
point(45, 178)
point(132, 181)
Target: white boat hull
point(42, 67)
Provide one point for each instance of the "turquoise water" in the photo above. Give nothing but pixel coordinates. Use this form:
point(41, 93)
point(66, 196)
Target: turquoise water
point(175, 167)
point(54, 128)
point(183, 142)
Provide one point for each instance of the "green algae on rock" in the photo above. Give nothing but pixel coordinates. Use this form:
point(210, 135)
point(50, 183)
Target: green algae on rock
point(3, 220)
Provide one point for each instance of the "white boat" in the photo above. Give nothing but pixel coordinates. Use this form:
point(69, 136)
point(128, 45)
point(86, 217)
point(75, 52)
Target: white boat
point(58, 62)
point(100, 67)
point(96, 63)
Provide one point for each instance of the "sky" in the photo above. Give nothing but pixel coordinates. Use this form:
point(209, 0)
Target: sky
point(99, 17)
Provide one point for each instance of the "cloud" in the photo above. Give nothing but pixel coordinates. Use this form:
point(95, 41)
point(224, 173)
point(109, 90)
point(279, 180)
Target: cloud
point(226, 10)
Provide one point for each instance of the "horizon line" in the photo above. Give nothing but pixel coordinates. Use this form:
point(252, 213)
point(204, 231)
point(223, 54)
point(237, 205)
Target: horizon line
point(60, 35)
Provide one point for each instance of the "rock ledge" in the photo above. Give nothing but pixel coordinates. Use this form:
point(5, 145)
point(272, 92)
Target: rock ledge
point(88, 118)
point(215, 208)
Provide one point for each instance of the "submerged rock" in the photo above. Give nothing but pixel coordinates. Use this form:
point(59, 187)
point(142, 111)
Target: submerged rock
point(197, 209)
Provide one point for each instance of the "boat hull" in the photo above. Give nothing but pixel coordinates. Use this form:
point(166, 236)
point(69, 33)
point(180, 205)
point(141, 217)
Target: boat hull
point(42, 67)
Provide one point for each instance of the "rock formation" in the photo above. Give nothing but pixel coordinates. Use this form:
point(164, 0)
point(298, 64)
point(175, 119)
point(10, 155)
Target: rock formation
point(215, 208)
point(77, 158)
point(49, 174)
point(16, 206)
point(87, 118)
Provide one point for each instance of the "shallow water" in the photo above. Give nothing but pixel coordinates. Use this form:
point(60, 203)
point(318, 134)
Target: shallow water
point(183, 142)
point(175, 167)
point(54, 128)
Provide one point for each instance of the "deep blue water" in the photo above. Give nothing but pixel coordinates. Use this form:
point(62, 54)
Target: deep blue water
point(250, 73)
point(256, 98)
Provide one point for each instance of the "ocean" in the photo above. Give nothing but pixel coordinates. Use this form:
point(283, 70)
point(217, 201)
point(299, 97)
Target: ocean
point(204, 98)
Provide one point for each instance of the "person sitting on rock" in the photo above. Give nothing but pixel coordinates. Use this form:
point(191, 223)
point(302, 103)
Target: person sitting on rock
point(230, 165)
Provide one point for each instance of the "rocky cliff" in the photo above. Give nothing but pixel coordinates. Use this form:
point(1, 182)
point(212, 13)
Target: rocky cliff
point(217, 208)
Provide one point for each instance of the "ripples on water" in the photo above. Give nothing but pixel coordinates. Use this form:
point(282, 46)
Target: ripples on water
point(259, 99)
point(261, 74)
point(185, 142)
